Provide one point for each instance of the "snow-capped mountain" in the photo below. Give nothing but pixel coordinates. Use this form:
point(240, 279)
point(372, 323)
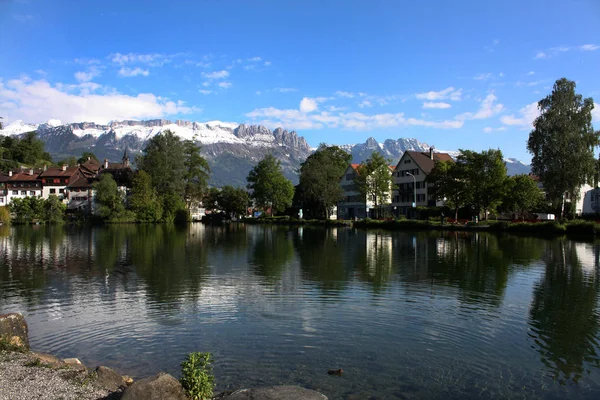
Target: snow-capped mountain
point(232, 149)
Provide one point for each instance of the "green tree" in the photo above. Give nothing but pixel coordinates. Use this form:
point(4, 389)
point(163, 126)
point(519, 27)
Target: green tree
point(69, 161)
point(211, 199)
point(522, 195)
point(485, 175)
point(109, 199)
point(4, 215)
point(54, 210)
point(144, 200)
point(27, 210)
point(450, 184)
point(233, 201)
point(374, 180)
point(320, 176)
point(196, 174)
point(562, 142)
point(164, 160)
point(85, 155)
point(270, 189)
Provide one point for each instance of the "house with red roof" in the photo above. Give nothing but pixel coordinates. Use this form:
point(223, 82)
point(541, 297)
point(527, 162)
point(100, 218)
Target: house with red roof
point(23, 183)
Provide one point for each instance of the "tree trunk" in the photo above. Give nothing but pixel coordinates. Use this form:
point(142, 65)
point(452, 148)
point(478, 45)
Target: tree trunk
point(456, 213)
point(562, 207)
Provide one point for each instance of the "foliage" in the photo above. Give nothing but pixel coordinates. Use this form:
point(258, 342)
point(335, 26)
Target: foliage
point(485, 177)
point(319, 187)
point(109, 199)
point(70, 161)
point(174, 208)
point(522, 195)
point(164, 161)
point(196, 376)
point(4, 215)
point(54, 210)
point(374, 179)
point(85, 155)
point(27, 210)
point(450, 184)
point(270, 189)
point(28, 150)
point(562, 142)
point(233, 201)
point(211, 199)
point(144, 200)
point(196, 174)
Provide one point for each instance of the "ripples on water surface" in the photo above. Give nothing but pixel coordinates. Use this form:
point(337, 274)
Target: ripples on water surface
point(406, 315)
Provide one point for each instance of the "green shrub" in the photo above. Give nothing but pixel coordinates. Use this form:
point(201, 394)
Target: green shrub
point(583, 228)
point(499, 225)
point(4, 215)
point(196, 376)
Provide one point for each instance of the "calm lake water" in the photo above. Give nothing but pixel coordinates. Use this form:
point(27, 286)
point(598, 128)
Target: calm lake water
point(405, 314)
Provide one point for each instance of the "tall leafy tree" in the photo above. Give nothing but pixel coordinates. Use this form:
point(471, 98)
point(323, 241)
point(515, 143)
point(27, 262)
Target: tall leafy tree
point(144, 200)
point(196, 174)
point(54, 210)
point(164, 160)
point(319, 178)
point(233, 201)
point(562, 142)
point(522, 195)
point(109, 200)
point(485, 175)
point(450, 184)
point(374, 180)
point(85, 155)
point(270, 189)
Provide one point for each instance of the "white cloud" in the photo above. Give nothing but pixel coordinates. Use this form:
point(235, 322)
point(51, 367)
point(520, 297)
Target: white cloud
point(267, 63)
point(216, 74)
point(365, 104)
point(41, 72)
point(540, 55)
point(486, 110)
point(297, 119)
point(308, 105)
point(483, 76)
point(531, 73)
point(153, 59)
point(205, 91)
point(448, 93)
point(528, 114)
point(347, 95)
point(589, 47)
point(254, 59)
point(430, 104)
point(490, 130)
point(225, 85)
point(83, 76)
point(130, 72)
point(39, 101)
point(284, 90)
point(596, 112)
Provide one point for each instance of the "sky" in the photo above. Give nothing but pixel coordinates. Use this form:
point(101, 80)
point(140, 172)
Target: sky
point(463, 74)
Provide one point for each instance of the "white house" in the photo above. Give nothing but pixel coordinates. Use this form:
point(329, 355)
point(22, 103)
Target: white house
point(354, 205)
point(410, 176)
point(23, 183)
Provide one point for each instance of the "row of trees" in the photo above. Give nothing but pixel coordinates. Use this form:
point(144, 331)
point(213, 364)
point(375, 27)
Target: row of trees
point(28, 150)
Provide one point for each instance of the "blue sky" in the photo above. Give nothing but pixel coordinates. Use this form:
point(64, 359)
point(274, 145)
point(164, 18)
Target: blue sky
point(460, 74)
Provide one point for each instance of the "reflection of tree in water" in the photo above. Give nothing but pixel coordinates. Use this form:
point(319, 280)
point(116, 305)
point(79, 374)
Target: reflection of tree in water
point(564, 314)
point(321, 257)
point(479, 264)
point(271, 252)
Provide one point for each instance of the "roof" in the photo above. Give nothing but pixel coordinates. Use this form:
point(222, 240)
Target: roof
point(80, 182)
point(424, 161)
point(3, 177)
point(92, 165)
point(355, 167)
point(24, 175)
point(59, 172)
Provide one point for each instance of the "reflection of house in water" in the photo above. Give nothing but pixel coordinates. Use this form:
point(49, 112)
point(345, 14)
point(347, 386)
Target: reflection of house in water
point(587, 254)
point(379, 253)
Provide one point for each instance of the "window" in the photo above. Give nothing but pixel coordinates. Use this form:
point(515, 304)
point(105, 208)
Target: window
point(1, 200)
point(52, 191)
point(15, 192)
point(32, 192)
point(406, 161)
point(23, 192)
point(349, 177)
point(61, 190)
point(63, 181)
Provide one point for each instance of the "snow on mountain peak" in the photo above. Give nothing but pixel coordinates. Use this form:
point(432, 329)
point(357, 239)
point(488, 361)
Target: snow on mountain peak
point(54, 122)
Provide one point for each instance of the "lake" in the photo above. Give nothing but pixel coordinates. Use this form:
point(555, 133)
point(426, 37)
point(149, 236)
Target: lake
point(404, 314)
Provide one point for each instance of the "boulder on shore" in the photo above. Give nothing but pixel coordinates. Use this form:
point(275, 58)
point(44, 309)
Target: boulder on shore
point(276, 393)
point(159, 387)
point(14, 331)
point(108, 379)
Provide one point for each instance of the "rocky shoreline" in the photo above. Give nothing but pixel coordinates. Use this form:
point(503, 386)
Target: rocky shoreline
point(25, 374)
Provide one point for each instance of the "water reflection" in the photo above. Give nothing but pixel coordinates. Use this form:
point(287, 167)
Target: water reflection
point(564, 312)
point(444, 313)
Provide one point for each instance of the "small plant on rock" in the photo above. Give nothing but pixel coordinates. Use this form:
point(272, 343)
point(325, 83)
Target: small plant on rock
point(196, 376)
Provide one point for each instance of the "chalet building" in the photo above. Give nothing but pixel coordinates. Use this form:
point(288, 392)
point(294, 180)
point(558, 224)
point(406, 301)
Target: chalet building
point(354, 205)
point(410, 173)
point(121, 172)
point(3, 189)
point(23, 183)
point(56, 179)
point(81, 194)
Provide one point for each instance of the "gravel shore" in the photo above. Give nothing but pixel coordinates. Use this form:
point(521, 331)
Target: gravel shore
point(22, 378)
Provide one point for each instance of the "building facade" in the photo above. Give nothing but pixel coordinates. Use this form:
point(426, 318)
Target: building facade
point(410, 175)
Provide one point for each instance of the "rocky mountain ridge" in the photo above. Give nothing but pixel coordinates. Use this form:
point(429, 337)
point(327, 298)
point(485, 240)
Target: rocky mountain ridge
point(231, 149)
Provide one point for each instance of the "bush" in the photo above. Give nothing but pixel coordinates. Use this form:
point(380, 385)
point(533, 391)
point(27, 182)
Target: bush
point(196, 376)
point(583, 228)
point(546, 228)
point(4, 215)
point(499, 225)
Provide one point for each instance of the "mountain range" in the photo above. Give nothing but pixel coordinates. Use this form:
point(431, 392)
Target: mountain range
point(231, 149)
